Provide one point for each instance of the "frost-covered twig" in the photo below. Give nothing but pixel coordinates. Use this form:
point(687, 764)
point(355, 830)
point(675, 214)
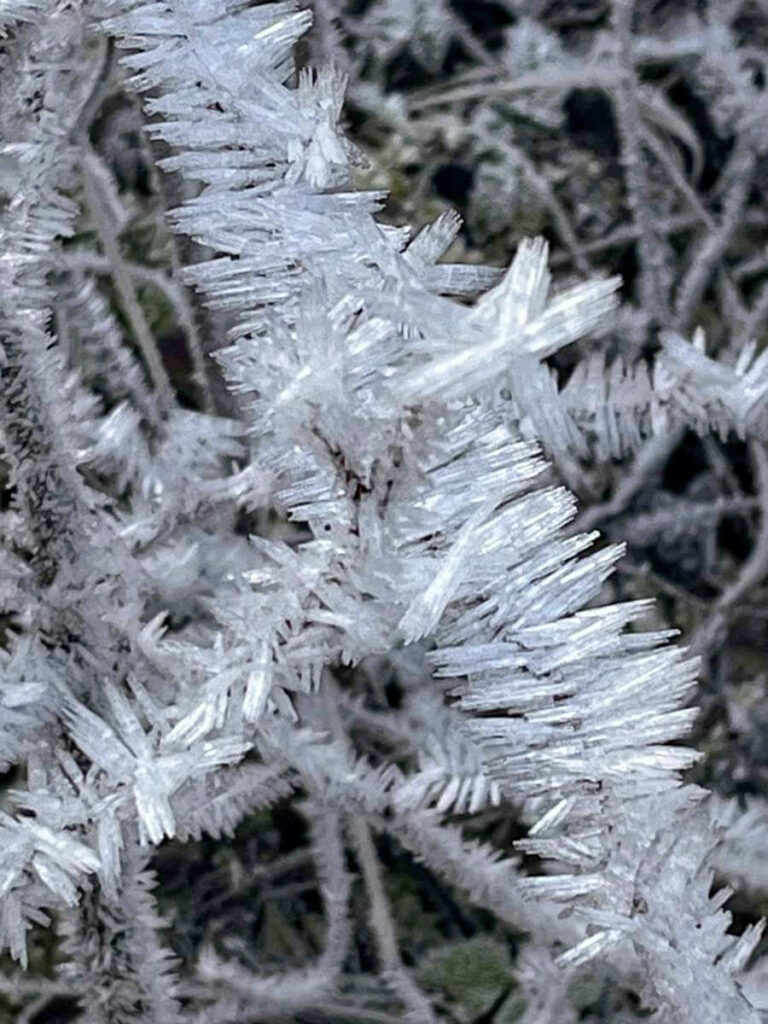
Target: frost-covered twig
point(752, 572)
point(691, 289)
point(648, 461)
point(107, 234)
point(179, 296)
point(417, 1006)
point(653, 271)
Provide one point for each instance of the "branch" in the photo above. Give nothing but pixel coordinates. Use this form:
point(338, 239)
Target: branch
point(752, 572)
point(653, 283)
point(418, 1006)
point(122, 278)
point(704, 257)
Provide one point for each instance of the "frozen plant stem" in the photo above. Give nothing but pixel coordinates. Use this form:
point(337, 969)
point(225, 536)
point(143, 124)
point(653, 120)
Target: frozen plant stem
point(417, 1005)
point(752, 572)
point(629, 122)
point(123, 281)
point(706, 255)
point(382, 926)
point(648, 461)
point(175, 293)
point(180, 295)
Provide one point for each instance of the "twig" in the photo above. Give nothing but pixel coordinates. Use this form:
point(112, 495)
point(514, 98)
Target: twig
point(757, 315)
point(730, 290)
point(488, 82)
point(705, 256)
point(122, 279)
point(648, 461)
point(17, 985)
point(696, 513)
point(539, 184)
point(678, 179)
point(419, 1007)
point(653, 286)
point(701, 266)
point(87, 259)
point(732, 307)
point(97, 92)
point(184, 309)
point(30, 1012)
point(681, 222)
point(721, 467)
point(752, 571)
point(644, 571)
point(499, 87)
point(751, 267)
point(417, 1004)
point(472, 45)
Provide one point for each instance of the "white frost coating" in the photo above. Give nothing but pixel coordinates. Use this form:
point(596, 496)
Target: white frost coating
point(258, 685)
point(425, 611)
point(371, 412)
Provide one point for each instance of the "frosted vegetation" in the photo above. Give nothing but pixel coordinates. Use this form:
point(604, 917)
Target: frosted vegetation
point(299, 607)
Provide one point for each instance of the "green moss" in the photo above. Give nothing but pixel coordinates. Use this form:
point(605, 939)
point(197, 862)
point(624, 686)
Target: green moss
point(145, 240)
point(470, 976)
point(159, 312)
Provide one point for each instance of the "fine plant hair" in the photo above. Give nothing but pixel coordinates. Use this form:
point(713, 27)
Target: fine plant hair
point(345, 588)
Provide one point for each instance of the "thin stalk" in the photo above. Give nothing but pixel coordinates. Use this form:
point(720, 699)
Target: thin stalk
point(752, 572)
point(383, 927)
point(123, 280)
point(417, 1004)
point(703, 261)
point(626, 103)
point(183, 306)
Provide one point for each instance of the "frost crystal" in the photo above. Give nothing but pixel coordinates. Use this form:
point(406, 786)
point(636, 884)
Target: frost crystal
point(171, 670)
